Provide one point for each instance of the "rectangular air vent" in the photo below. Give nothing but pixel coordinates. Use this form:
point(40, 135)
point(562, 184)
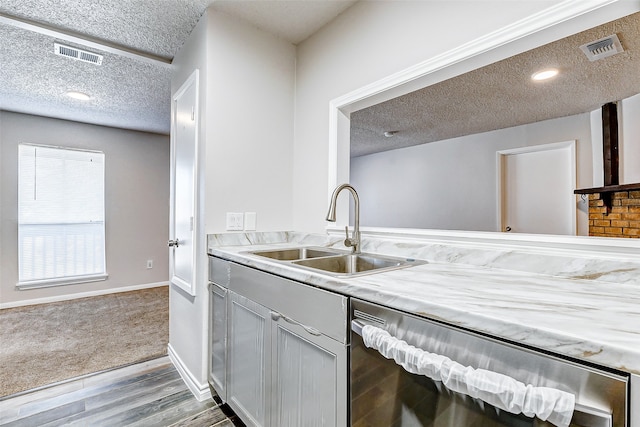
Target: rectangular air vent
point(77, 54)
point(602, 48)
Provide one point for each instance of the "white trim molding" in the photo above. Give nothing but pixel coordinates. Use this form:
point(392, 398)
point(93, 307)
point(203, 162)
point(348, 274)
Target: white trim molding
point(68, 297)
point(200, 391)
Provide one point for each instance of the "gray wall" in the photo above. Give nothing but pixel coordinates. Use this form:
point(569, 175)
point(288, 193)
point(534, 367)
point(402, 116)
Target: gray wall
point(137, 202)
point(451, 185)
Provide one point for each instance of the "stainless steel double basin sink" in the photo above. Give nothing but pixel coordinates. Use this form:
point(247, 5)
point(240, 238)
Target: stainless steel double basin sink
point(335, 262)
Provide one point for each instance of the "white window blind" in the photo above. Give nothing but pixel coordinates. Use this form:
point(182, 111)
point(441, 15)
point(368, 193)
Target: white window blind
point(61, 230)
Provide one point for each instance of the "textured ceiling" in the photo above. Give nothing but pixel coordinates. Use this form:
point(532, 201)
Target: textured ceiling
point(126, 92)
point(158, 27)
point(502, 95)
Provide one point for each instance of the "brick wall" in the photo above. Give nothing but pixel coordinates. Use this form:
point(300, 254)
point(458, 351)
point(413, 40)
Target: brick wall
point(622, 221)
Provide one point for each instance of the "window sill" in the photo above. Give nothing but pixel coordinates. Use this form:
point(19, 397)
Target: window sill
point(35, 284)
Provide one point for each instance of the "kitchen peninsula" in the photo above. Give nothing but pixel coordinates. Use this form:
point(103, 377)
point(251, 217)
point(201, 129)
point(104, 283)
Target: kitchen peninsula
point(579, 307)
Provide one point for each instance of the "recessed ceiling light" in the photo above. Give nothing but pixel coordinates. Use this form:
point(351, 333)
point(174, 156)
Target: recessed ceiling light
point(549, 73)
point(390, 133)
point(78, 95)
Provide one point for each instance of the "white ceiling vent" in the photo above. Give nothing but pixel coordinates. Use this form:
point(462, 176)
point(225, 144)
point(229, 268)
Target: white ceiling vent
point(77, 54)
point(602, 48)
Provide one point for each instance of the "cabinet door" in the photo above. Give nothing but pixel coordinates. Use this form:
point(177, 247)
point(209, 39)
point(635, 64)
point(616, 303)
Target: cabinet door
point(218, 339)
point(309, 377)
point(249, 360)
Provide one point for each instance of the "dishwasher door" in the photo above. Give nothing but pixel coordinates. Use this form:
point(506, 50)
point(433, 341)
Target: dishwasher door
point(383, 393)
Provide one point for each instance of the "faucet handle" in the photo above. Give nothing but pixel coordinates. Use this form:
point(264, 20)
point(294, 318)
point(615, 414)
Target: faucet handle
point(347, 241)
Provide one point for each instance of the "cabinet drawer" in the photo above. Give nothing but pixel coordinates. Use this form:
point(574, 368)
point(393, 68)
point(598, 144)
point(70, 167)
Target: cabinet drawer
point(219, 271)
point(325, 311)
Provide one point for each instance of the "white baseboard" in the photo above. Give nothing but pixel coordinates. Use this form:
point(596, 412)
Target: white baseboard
point(199, 390)
point(68, 297)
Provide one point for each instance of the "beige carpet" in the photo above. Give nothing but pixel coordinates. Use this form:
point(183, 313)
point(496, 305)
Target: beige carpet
point(47, 343)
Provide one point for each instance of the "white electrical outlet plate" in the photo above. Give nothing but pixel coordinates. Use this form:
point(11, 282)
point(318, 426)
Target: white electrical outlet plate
point(250, 221)
point(149, 263)
point(235, 221)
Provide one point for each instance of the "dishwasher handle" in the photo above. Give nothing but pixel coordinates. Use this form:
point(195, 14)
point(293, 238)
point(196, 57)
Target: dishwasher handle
point(356, 326)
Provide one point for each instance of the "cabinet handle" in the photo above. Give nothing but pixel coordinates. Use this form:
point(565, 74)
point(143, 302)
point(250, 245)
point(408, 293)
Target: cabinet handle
point(277, 316)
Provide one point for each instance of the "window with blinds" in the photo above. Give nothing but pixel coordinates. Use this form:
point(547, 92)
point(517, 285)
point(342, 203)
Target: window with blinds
point(61, 227)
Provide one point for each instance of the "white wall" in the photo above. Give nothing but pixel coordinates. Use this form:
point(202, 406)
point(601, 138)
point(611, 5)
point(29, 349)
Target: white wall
point(136, 192)
point(249, 125)
point(629, 122)
point(247, 80)
point(451, 184)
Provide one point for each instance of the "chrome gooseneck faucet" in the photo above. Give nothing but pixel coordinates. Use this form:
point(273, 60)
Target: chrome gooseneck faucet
point(354, 241)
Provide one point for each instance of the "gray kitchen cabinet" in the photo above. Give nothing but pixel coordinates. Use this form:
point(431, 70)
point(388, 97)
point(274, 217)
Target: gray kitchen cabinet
point(218, 339)
point(249, 360)
point(308, 372)
point(285, 347)
point(219, 275)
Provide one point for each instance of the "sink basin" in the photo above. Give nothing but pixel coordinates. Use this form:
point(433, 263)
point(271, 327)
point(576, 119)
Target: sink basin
point(336, 262)
point(356, 264)
point(296, 253)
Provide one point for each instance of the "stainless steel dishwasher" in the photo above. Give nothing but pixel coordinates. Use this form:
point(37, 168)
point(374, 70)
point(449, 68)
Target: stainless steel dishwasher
point(383, 393)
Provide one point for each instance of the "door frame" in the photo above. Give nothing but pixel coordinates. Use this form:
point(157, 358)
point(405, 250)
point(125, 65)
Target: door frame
point(500, 182)
point(193, 78)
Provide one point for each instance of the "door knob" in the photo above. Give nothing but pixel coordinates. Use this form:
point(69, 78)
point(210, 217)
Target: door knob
point(175, 243)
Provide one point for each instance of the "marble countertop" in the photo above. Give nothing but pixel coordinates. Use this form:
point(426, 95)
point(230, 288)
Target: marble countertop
point(584, 318)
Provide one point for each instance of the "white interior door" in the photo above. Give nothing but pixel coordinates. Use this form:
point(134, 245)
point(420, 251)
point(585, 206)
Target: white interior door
point(536, 189)
point(182, 254)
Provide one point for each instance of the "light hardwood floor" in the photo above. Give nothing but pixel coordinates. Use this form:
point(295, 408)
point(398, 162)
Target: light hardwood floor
point(146, 394)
